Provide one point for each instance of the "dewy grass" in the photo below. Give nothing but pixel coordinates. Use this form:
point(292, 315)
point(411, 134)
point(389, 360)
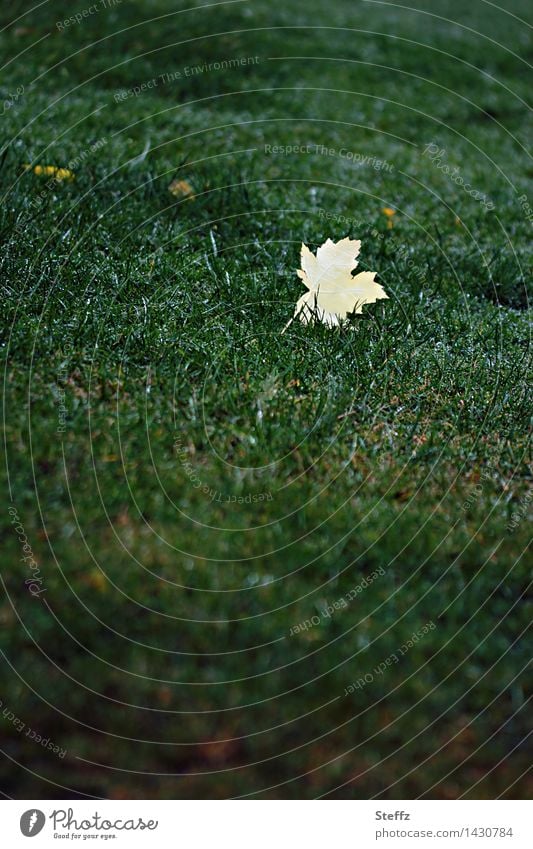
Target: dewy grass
point(191, 483)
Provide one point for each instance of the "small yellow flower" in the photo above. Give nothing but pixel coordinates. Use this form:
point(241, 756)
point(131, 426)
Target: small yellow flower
point(63, 174)
point(389, 212)
point(181, 189)
point(60, 174)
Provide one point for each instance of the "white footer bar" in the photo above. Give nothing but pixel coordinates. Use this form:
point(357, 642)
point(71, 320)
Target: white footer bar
point(268, 824)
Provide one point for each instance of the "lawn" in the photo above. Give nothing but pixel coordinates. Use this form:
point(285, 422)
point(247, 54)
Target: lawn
point(236, 562)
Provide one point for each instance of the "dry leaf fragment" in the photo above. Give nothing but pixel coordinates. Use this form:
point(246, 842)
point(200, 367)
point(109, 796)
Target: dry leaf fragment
point(181, 189)
point(333, 292)
point(97, 580)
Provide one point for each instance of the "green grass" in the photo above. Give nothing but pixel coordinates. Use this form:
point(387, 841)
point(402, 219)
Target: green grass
point(160, 654)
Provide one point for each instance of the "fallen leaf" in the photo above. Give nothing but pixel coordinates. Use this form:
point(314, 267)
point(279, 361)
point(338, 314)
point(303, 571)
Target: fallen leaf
point(181, 189)
point(164, 696)
point(97, 580)
point(333, 292)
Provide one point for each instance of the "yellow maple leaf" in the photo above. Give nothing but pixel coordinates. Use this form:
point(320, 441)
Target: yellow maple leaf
point(333, 292)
